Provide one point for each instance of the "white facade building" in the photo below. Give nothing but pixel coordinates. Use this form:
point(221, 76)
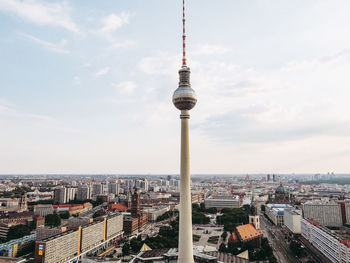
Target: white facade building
point(223, 202)
point(292, 219)
point(275, 212)
point(333, 246)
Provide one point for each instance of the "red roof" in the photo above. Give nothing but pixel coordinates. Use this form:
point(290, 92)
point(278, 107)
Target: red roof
point(233, 238)
point(248, 232)
point(119, 207)
point(313, 222)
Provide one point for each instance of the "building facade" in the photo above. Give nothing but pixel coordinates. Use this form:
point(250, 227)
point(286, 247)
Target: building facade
point(223, 202)
point(75, 242)
point(335, 247)
point(292, 219)
point(325, 214)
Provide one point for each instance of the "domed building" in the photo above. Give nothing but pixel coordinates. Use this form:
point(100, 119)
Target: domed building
point(281, 195)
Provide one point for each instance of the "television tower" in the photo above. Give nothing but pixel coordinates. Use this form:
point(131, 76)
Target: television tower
point(184, 99)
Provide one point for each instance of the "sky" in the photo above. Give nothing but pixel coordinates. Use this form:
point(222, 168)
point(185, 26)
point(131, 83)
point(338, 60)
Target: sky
point(86, 86)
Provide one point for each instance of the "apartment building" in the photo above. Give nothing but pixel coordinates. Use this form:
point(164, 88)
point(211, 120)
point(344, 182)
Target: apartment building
point(79, 240)
point(334, 245)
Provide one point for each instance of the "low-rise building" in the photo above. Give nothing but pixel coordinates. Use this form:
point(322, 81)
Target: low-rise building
point(43, 210)
point(220, 202)
point(156, 211)
point(275, 212)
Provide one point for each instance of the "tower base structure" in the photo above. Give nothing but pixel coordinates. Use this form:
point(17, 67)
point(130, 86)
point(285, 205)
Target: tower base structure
point(185, 226)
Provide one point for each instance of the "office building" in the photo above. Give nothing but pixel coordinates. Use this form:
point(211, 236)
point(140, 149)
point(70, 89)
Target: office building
point(223, 202)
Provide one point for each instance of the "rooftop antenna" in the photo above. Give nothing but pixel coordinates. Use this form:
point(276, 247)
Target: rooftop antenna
point(183, 35)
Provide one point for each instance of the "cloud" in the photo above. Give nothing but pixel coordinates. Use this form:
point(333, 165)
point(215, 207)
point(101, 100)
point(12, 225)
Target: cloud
point(311, 64)
point(12, 112)
point(102, 72)
point(271, 123)
point(123, 44)
point(58, 48)
point(161, 64)
point(114, 22)
point(126, 87)
point(210, 49)
point(76, 80)
point(41, 13)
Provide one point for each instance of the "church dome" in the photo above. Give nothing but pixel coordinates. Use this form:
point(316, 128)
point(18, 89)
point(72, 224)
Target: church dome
point(281, 190)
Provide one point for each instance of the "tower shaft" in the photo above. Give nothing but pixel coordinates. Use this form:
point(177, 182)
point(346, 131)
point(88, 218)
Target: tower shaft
point(185, 227)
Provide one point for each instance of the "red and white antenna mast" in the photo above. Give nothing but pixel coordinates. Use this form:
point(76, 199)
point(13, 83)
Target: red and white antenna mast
point(183, 35)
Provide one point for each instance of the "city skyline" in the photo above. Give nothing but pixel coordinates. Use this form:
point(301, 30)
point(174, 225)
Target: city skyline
point(87, 89)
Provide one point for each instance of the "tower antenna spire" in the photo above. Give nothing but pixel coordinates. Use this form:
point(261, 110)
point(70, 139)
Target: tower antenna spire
point(183, 35)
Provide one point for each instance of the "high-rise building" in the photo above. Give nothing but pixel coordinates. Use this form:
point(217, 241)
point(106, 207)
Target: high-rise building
point(97, 189)
point(184, 99)
point(63, 195)
point(84, 192)
point(144, 185)
point(113, 188)
point(59, 195)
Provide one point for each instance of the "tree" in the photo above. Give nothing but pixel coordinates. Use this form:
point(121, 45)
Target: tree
point(53, 220)
point(296, 248)
point(222, 247)
point(212, 210)
point(126, 249)
point(224, 235)
point(18, 232)
point(202, 207)
point(65, 215)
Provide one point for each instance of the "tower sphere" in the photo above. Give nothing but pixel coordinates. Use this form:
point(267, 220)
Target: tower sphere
point(184, 97)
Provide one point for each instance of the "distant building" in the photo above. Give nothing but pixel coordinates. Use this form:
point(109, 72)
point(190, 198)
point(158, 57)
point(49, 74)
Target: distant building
point(223, 202)
point(324, 213)
point(97, 189)
point(63, 195)
point(84, 192)
point(281, 196)
point(156, 211)
point(43, 210)
point(113, 188)
point(292, 219)
point(137, 219)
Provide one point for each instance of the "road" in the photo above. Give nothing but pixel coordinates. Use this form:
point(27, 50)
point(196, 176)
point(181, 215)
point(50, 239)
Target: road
point(277, 242)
